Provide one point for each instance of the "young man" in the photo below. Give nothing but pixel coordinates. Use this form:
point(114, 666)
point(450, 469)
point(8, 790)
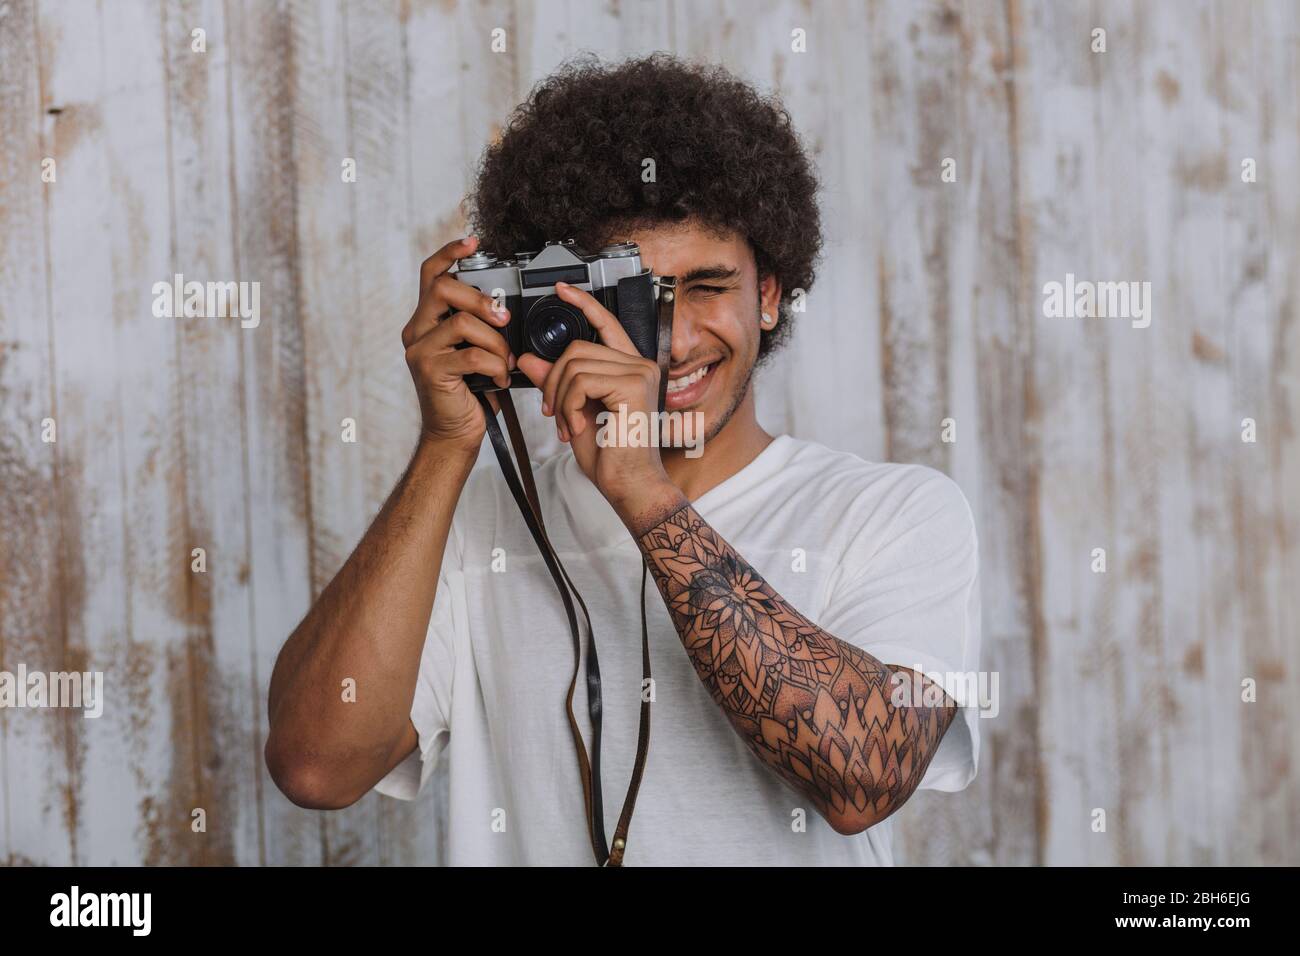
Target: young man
point(804, 591)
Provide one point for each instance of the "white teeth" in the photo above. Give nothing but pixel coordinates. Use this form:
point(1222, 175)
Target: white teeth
point(686, 381)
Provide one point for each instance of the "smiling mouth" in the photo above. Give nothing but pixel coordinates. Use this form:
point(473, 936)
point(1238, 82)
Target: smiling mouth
point(691, 387)
point(686, 381)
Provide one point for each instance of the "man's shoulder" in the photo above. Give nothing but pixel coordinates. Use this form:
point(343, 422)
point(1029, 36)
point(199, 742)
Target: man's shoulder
point(864, 504)
point(826, 471)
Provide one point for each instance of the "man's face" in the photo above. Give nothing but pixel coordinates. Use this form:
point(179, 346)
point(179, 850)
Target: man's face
point(715, 318)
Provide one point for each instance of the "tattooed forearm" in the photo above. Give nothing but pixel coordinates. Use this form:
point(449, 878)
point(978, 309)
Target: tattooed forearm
point(815, 709)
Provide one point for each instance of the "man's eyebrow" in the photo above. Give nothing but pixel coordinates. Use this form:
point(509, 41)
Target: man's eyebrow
point(714, 272)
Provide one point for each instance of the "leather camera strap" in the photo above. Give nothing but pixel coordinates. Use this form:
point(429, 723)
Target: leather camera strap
point(524, 490)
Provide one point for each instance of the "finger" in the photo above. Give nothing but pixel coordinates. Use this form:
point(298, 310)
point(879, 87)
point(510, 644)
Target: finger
point(422, 320)
point(609, 329)
point(455, 296)
point(442, 260)
point(552, 380)
point(436, 355)
point(450, 294)
point(536, 368)
point(580, 350)
point(469, 361)
point(459, 329)
point(561, 379)
point(594, 387)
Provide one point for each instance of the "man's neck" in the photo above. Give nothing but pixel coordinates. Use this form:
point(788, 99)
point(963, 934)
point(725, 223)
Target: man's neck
point(731, 449)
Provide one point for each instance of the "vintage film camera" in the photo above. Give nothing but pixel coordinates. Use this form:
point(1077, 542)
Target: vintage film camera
point(543, 323)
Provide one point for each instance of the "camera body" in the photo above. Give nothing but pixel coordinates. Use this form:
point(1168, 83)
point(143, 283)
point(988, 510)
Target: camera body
point(544, 324)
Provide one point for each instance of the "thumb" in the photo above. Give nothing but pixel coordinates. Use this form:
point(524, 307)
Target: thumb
point(534, 367)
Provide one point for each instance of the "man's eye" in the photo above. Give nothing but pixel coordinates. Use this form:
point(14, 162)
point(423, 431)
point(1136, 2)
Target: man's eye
point(712, 289)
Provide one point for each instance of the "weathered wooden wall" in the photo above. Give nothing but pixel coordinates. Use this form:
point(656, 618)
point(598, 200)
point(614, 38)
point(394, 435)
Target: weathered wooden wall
point(1119, 691)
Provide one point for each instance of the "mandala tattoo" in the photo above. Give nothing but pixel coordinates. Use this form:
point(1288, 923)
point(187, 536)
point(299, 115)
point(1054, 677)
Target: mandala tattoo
point(815, 709)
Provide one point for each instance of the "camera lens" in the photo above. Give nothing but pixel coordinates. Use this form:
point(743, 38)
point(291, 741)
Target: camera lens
point(552, 325)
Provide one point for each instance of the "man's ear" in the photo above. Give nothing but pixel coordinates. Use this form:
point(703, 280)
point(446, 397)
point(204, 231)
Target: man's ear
point(769, 295)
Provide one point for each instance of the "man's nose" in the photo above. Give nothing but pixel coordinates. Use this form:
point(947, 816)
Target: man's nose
point(685, 335)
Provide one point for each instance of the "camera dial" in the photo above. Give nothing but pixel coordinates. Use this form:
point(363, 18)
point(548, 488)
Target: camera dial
point(479, 260)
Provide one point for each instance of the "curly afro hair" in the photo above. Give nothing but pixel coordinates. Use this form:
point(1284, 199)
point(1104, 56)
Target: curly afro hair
point(569, 164)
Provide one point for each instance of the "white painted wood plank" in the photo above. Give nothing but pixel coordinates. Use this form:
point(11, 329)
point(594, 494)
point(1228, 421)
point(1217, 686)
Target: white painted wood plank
point(225, 698)
point(33, 777)
point(275, 466)
point(333, 340)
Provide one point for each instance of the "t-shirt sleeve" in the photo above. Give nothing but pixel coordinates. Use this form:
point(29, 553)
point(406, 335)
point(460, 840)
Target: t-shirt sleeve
point(431, 707)
point(908, 595)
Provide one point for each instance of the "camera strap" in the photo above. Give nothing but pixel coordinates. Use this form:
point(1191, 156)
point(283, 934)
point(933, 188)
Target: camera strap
point(524, 490)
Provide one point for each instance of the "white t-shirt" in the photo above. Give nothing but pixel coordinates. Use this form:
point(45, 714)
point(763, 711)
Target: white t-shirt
point(883, 556)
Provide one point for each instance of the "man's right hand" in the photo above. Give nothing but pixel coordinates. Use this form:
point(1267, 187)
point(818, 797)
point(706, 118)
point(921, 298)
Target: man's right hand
point(454, 332)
